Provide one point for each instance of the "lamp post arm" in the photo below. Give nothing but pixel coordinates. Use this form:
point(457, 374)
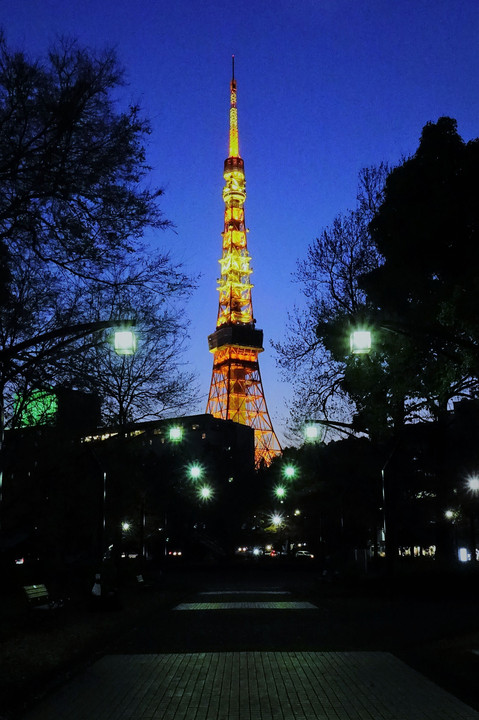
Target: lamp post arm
point(76, 331)
point(336, 425)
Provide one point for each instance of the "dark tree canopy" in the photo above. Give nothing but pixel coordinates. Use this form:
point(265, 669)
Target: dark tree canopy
point(427, 231)
point(71, 162)
point(318, 336)
point(407, 270)
point(427, 286)
point(74, 206)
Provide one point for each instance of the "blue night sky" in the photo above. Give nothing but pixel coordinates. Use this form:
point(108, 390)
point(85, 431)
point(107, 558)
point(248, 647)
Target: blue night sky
point(325, 88)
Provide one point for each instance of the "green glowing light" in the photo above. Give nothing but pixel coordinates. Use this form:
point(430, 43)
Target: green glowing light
point(195, 471)
point(280, 491)
point(176, 433)
point(289, 472)
point(205, 493)
point(40, 409)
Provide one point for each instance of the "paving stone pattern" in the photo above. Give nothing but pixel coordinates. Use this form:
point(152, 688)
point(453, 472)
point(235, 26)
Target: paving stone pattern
point(251, 685)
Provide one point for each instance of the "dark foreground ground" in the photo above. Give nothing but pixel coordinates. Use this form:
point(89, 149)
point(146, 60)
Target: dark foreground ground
point(428, 619)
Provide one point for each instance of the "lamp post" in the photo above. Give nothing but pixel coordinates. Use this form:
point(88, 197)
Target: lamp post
point(278, 522)
point(360, 343)
point(124, 342)
point(473, 487)
point(64, 336)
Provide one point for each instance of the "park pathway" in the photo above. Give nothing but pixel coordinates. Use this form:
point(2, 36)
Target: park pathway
point(246, 684)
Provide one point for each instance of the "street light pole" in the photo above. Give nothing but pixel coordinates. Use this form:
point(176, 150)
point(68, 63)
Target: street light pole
point(473, 485)
point(66, 335)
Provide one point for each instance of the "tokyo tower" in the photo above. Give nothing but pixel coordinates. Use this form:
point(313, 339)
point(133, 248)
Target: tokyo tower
point(236, 391)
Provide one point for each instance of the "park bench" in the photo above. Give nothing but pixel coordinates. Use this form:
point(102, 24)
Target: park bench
point(39, 599)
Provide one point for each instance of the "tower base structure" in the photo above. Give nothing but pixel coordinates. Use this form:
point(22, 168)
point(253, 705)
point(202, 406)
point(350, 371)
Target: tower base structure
point(236, 391)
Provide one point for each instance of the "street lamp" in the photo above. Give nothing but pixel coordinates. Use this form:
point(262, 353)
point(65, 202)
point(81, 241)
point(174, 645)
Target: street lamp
point(195, 471)
point(312, 433)
point(64, 336)
point(175, 433)
point(125, 342)
point(205, 493)
point(289, 472)
point(277, 519)
point(360, 342)
point(473, 485)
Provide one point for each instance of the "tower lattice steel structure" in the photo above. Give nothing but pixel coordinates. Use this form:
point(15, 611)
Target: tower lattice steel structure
point(236, 391)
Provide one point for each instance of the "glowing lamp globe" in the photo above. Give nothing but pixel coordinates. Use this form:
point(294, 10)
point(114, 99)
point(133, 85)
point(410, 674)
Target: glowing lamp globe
point(311, 433)
point(205, 493)
point(473, 484)
point(176, 433)
point(195, 471)
point(360, 341)
point(289, 472)
point(125, 342)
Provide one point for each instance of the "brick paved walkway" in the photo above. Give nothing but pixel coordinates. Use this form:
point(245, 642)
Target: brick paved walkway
point(252, 686)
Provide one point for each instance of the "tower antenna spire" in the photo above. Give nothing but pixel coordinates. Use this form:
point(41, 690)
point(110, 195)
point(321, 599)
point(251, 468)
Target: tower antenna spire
point(233, 141)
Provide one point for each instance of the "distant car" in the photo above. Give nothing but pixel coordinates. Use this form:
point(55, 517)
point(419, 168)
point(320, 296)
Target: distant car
point(175, 553)
point(304, 554)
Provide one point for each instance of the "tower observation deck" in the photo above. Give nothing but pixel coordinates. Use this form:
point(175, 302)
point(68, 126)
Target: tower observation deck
point(236, 391)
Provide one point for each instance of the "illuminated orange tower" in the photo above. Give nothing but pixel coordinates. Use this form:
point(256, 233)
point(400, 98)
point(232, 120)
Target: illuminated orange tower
point(236, 391)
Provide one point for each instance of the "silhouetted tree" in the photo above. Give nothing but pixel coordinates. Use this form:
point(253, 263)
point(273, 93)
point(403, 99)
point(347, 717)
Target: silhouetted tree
point(317, 343)
point(74, 206)
point(426, 287)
